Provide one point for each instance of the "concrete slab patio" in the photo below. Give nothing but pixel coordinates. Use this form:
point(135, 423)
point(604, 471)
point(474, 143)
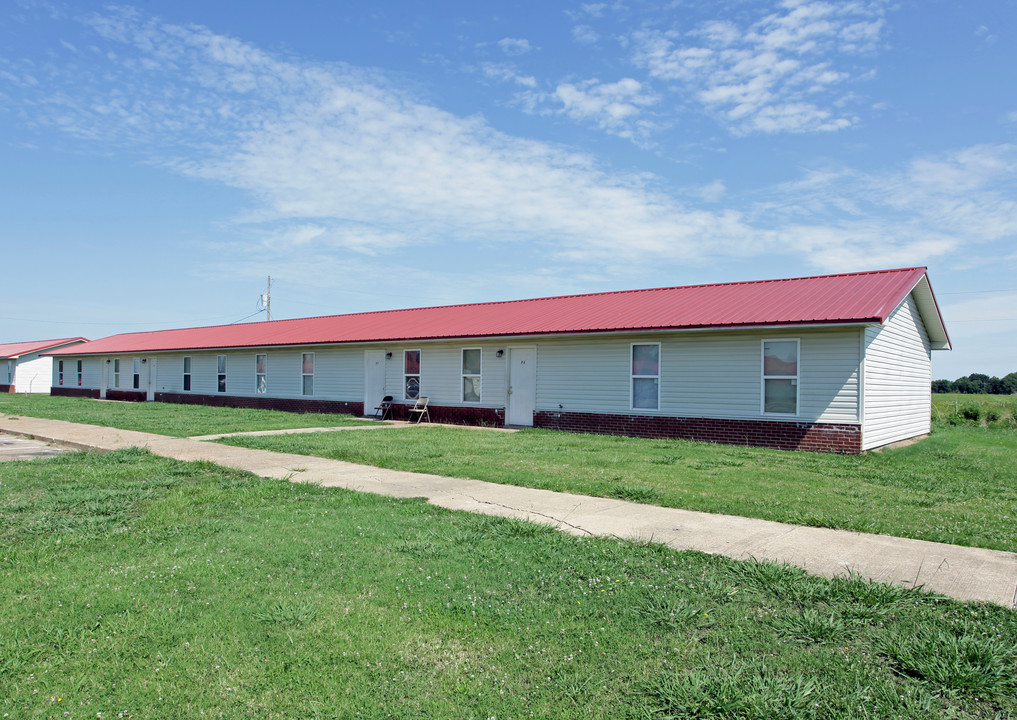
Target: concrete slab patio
point(959, 572)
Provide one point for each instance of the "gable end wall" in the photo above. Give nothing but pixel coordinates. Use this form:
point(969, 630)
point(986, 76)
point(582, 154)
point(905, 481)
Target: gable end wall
point(898, 379)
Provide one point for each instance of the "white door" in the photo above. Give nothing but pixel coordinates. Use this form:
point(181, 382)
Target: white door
point(374, 379)
point(522, 389)
point(107, 368)
point(152, 375)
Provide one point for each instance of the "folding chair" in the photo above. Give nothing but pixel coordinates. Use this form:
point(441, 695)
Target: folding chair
point(385, 409)
point(420, 409)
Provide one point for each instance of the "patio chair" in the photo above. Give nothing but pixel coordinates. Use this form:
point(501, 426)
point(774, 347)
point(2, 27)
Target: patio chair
point(384, 410)
point(420, 410)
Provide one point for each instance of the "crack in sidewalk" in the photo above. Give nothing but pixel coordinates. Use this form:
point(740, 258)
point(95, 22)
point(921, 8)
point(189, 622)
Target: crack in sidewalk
point(532, 512)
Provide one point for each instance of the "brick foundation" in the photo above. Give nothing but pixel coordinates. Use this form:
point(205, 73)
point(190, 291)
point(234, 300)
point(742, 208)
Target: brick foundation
point(127, 395)
point(816, 437)
point(454, 415)
point(297, 405)
point(6, 389)
point(74, 392)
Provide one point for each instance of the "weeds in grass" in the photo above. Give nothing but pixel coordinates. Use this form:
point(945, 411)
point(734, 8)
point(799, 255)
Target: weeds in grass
point(809, 626)
point(742, 689)
point(288, 613)
point(964, 661)
point(670, 612)
point(634, 493)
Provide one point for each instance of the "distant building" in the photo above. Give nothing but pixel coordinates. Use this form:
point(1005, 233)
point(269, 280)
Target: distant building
point(837, 363)
point(23, 369)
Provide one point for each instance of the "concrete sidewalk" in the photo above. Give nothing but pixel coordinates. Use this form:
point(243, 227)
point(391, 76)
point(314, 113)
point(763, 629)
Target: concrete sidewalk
point(958, 572)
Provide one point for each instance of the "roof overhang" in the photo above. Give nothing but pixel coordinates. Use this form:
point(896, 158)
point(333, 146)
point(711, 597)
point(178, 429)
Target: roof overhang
point(928, 308)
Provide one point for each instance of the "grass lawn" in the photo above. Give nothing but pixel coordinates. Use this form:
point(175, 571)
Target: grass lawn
point(165, 418)
point(957, 486)
point(135, 586)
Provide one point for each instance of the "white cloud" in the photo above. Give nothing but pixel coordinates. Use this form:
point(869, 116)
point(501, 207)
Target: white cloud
point(515, 46)
point(585, 35)
point(952, 203)
point(335, 157)
point(617, 107)
point(507, 73)
point(338, 161)
point(776, 74)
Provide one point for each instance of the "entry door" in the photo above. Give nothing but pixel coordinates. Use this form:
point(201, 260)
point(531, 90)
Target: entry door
point(522, 390)
point(374, 379)
point(152, 376)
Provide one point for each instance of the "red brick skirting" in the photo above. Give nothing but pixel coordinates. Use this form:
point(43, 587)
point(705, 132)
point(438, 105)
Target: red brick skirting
point(297, 405)
point(453, 415)
point(74, 392)
point(818, 437)
point(6, 389)
point(127, 395)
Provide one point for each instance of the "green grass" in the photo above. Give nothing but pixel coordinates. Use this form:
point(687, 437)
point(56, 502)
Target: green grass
point(993, 411)
point(165, 418)
point(957, 486)
point(135, 586)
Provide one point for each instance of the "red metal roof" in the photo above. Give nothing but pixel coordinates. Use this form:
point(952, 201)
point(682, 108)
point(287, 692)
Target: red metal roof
point(828, 299)
point(13, 350)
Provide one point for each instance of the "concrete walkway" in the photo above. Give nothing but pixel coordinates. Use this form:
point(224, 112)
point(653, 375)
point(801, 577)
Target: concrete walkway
point(958, 572)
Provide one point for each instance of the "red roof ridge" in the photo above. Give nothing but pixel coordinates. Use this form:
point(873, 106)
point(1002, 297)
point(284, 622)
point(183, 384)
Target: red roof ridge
point(606, 292)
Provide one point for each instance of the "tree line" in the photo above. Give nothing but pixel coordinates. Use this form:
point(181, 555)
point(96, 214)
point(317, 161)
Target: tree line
point(978, 384)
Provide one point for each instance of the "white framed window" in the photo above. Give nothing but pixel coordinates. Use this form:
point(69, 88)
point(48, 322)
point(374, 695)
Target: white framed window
point(137, 373)
point(471, 367)
point(307, 374)
point(645, 376)
point(79, 371)
point(187, 374)
point(780, 377)
point(116, 372)
point(261, 373)
point(411, 374)
point(220, 366)
point(60, 372)
point(10, 372)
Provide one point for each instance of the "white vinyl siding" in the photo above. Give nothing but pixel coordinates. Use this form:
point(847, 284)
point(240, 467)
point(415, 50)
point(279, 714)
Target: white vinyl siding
point(442, 377)
point(91, 372)
point(898, 376)
point(703, 375)
point(32, 374)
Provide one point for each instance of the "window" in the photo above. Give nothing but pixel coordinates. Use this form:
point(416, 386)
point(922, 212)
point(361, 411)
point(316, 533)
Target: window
point(307, 374)
point(187, 374)
point(780, 377)
point(10, 372)
point(221, 368)
point(646, 376)
point(261, 374)
point(116, 372)
point(60, 372)
point(471, 375)
point(137, 373)
point(411, 374)
point(80, 374)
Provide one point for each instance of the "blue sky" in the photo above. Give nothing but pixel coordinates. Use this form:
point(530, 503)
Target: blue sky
point(160, 159)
